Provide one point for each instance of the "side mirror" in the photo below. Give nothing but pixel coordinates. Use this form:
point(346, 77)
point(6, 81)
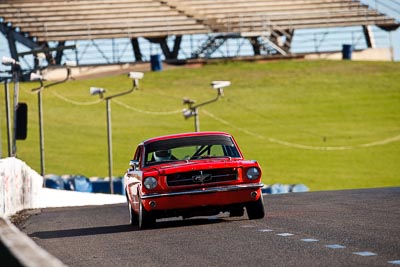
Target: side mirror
point(134, 164)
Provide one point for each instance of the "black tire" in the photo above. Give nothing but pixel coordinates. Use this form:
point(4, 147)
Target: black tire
point(255, 210)
point(133, 217)
point(146, 219)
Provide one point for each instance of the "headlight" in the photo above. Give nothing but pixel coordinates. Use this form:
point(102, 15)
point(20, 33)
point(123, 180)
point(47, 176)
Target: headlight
point(253, 173)
point(150, 183)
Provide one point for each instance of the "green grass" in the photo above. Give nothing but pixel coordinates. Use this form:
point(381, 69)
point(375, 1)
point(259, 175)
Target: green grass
point(304, 121)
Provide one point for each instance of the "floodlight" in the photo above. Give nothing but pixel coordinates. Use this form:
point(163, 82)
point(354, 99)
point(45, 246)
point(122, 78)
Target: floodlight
point(220, 84)
point(97, 91)
point(187, 113)
point(136, 75)
point(187, 101)
point(101, 91)
point(7, 61)
point(192, 109)
point(36, 77)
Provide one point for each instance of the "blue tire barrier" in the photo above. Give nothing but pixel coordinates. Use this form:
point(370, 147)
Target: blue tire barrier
point(299, 188)
point(79, 183)
point(156, 63)
point(54, 182)
point(280, 189)
point(283, 189)
point(347, 51)
point(103, 186)
point(266, 190)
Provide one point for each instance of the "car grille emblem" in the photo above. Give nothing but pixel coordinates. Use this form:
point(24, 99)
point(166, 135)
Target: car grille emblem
point(201, 178)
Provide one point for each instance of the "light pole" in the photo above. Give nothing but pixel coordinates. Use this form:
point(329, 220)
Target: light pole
point(11, 138)
point(37, 77)
point(7, 106)
point(8, 116)
point(193, 110)
point(135, 76)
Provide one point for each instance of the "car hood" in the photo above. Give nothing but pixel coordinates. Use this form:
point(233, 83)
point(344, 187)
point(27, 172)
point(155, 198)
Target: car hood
point(204, 164)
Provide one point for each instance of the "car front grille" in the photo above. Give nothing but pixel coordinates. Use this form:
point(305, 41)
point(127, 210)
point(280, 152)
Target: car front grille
point(202, 177)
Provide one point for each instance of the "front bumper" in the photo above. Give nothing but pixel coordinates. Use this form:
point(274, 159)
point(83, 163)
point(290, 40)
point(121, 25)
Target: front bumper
point(213, 196)
point(206, 190)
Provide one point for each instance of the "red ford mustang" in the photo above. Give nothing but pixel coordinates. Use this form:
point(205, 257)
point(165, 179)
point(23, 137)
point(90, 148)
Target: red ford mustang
point(191, 174)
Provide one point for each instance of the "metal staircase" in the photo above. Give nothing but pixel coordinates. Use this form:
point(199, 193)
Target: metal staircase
point(209, 46)
point(270, 47)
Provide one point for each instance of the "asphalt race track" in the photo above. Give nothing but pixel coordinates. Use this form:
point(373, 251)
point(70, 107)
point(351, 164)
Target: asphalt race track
point(334, 228)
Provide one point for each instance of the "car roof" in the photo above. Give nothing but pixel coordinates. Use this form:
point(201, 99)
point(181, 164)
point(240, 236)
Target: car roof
point(180, 135)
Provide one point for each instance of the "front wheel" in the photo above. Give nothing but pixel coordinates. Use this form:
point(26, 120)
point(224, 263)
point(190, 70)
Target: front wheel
point(255, 210)
point(146, 219)
point(132, 215)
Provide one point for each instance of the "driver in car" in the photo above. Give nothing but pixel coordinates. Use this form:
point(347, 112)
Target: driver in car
point(163, 155)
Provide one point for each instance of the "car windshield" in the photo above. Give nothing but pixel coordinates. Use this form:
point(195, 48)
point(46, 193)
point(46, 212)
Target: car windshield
point(190, 148)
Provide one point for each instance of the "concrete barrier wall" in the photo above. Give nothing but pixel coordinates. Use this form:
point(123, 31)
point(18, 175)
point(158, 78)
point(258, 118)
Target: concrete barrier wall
point(19, 186)
point(17, 249)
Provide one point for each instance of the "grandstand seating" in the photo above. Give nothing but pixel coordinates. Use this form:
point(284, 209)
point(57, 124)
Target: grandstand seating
point(97, 19)
point(64, 20)
point(253, 16)
point(75, 20)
